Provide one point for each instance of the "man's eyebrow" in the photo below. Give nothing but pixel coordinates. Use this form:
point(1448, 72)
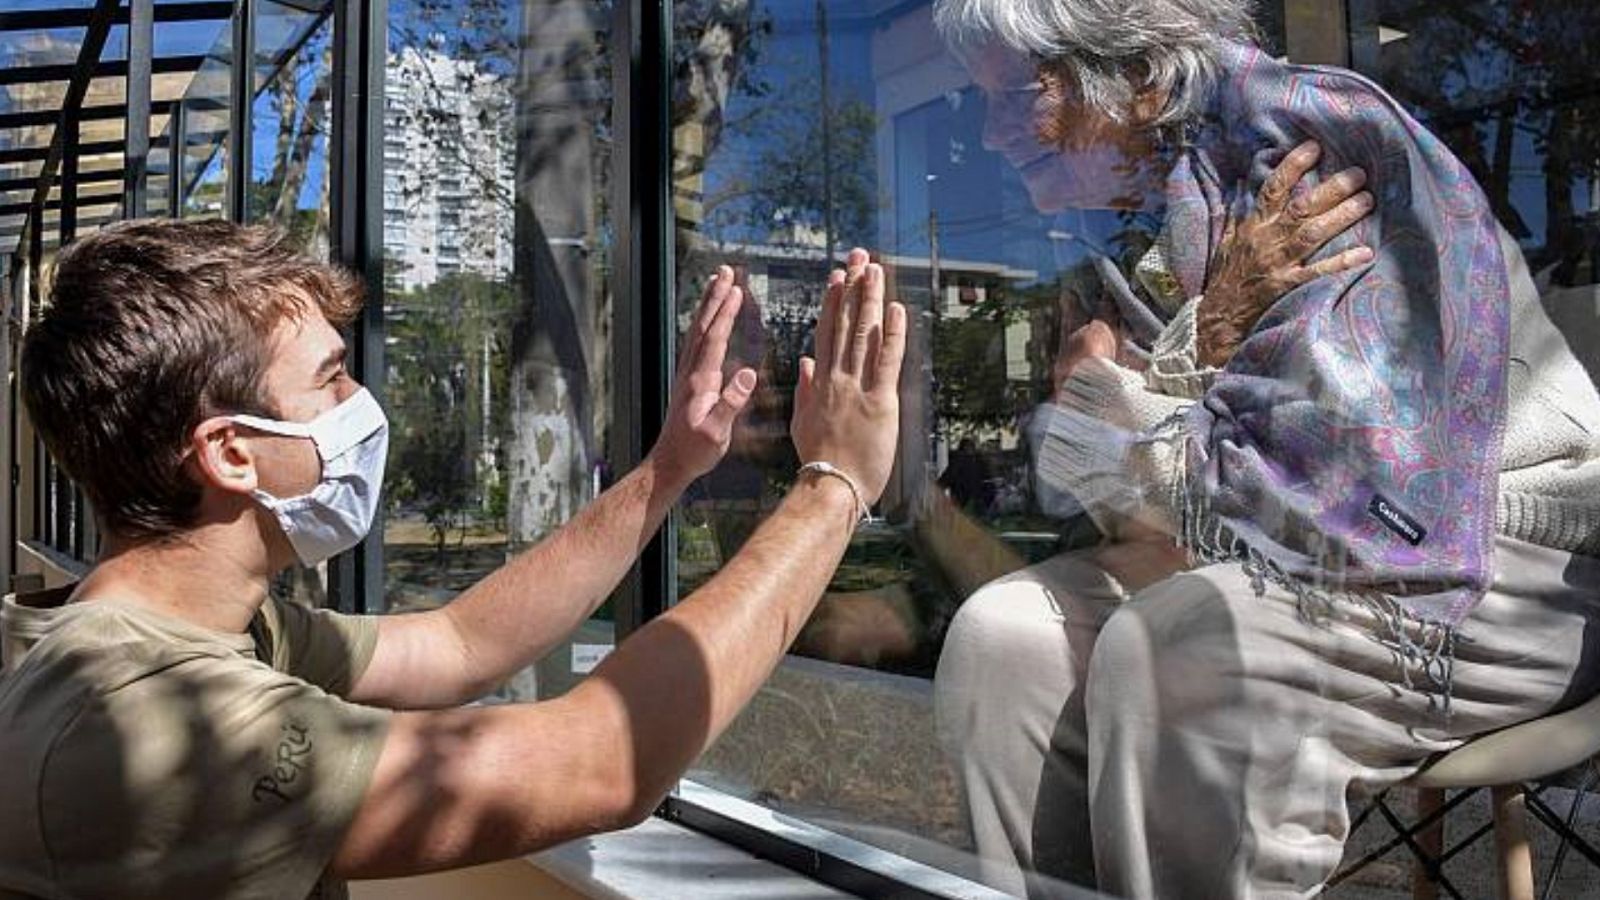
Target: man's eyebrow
point(333, 361)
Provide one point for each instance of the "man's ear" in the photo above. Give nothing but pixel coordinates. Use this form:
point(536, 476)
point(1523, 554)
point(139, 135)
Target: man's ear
point(222, 456)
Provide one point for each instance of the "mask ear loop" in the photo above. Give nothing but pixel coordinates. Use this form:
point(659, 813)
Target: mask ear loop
point(272, 426)
point(360, 406)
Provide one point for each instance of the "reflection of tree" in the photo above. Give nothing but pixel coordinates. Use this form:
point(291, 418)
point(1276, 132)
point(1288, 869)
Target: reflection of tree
point(552, 56)
point(714, 47)
point(447, 364)
point(977, 392)
point(970, 356)
point(557, 54)
point(1489, 76)
point(298, 98)
point(560, 332)
point(782, 185)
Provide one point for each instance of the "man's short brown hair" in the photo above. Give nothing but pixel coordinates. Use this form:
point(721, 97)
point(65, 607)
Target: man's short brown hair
point(152, 327)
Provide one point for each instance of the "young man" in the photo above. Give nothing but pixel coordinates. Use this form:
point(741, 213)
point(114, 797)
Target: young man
point(171, 731)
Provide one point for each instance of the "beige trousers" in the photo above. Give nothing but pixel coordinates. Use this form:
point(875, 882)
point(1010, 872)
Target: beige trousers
point(1194, 740)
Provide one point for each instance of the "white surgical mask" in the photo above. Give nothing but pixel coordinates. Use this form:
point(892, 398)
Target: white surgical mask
point(352, 440)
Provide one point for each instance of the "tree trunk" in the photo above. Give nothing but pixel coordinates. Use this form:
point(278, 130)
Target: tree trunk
point(306, 131)
point(1562, 234)
point(719, 33)
point(287, 92)
point(560, 96)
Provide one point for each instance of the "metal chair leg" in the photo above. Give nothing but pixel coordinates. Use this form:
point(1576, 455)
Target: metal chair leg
point(1514, 859)
point(1565, 834)
point(1406, 834)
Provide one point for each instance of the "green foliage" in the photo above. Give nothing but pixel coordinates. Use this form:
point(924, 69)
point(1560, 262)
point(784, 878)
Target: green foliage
point(499, 502)
point(442, 340)
point(974, 392)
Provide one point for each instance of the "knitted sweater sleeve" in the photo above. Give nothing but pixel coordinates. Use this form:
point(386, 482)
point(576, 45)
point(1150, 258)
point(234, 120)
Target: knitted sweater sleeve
point(1550, 462)
point(1112, 442)
point(1115, 445)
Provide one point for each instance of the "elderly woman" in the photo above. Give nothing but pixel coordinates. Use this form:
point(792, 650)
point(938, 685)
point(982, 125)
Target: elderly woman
point(1384, 483)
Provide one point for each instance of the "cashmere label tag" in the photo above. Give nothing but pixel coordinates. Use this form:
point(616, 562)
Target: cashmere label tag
point(1396, 521)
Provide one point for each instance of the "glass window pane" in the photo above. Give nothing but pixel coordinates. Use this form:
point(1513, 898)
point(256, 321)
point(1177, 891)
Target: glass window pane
point(45, 47)
point(292, 117)
point(497, 251)
point(207, 115)
point(26, 138)
point(1050, 503)
point(89, 131)
point(25, 5)
point(207, 182)
point(87, 212)
point(289, 183)
point(31, 96)
point(59, 46)
point(88, 192)
point(171, 39)
point(99, 162)
point(847, 736)
point(20, 170)
point(279, 29)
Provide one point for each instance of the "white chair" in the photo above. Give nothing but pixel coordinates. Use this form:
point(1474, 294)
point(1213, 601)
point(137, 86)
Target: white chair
point(1505, 763)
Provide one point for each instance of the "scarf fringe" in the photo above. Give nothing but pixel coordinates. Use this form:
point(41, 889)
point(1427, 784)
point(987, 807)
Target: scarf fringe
point(1421, 647)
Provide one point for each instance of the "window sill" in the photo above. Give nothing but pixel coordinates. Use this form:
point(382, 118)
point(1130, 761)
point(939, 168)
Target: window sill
point(657, 859)
point(664, 861)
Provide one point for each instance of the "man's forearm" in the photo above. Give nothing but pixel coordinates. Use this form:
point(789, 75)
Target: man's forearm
point(674, 686)
point(602, 755)
point(522, 610)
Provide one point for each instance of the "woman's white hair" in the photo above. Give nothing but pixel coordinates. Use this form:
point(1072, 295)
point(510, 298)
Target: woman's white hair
point(1114, 49)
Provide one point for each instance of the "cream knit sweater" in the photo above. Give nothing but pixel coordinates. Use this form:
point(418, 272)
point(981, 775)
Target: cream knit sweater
point(1550, 461)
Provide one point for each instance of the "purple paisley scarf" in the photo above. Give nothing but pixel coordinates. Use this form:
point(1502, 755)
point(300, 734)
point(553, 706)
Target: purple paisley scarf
point(1351, 448)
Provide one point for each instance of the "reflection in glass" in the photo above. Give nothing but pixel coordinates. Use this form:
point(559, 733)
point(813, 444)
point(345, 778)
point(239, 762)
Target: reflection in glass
point(497, 258)
point(207, 102)
point(1039, 496)
point(291, 118)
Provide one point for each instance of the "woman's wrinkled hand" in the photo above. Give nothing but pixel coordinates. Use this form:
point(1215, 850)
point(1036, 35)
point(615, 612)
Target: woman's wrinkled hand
point(1264, 255)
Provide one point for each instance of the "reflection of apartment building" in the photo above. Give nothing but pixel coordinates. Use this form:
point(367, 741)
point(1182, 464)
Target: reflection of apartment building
point(449, 159)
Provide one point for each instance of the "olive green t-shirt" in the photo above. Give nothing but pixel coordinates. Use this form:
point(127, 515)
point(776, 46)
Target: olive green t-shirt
point(143, 756)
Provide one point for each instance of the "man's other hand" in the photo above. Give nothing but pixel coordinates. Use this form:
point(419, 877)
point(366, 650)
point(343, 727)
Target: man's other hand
point(704, 403)
point(847, 401)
